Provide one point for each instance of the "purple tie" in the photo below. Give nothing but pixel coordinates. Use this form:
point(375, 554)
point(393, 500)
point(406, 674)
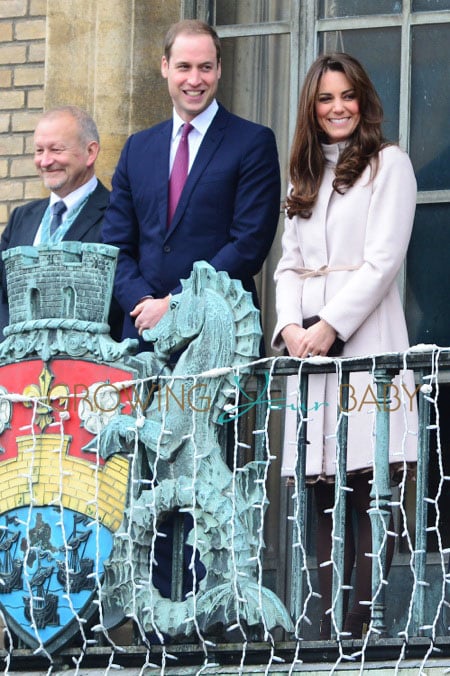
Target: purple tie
point(179, 171)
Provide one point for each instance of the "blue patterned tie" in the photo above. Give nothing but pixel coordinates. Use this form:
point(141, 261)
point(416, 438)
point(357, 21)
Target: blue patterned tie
point(57, 210)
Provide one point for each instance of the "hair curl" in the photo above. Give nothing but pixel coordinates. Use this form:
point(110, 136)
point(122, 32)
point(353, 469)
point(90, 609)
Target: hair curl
point(307, 160)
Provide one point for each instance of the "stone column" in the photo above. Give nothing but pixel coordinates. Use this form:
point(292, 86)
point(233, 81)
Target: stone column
point(105, 56)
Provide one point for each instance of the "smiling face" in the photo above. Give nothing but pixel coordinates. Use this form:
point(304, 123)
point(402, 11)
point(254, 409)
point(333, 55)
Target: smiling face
point(337, 108)
point(192, 73)
point(63, 160)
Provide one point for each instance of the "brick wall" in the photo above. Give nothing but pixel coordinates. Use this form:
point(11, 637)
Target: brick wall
point(22, 65)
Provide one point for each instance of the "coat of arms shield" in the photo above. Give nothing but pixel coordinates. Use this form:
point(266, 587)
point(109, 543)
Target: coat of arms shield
point(62, 378)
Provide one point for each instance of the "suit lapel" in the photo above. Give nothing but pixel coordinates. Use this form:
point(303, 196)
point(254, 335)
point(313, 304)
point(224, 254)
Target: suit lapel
point(33, 221)
point(89, 215)
point(161, 152)
point(208, 147)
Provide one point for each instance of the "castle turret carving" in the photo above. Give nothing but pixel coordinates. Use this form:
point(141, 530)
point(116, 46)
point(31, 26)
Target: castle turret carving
point(81, 282)
point(59, 298)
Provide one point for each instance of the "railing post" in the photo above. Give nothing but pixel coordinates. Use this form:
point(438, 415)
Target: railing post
point(338, 532)
point(262, 397)
point(299, 520)
point(420, 547)
point(176, 593)
point(380, 494)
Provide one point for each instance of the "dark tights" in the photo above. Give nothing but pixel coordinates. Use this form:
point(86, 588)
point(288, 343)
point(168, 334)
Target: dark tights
point(356, 543)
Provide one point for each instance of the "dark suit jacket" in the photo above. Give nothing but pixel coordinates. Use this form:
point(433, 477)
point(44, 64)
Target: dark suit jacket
point(227, 214)
point(23, 225)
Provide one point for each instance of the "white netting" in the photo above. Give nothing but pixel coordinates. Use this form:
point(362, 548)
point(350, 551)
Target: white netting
point(267, 408)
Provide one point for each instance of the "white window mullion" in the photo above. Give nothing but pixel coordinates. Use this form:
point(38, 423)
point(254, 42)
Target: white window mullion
point(405, 77)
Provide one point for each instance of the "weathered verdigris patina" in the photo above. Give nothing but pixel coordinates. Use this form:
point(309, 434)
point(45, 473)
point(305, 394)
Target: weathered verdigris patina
point(215, 323)
point(100, 445)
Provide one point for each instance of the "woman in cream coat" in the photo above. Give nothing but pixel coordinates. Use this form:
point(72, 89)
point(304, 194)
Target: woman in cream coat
point(350, 210)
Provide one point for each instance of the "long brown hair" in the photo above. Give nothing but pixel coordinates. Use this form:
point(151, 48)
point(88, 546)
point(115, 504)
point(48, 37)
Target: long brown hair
point(307, 159)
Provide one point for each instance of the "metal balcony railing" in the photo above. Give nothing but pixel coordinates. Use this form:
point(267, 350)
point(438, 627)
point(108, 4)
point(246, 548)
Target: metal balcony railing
point(423, 627)
point(425, 601)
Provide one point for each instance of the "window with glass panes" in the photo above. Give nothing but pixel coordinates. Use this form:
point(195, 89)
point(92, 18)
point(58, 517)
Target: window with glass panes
point(405, 46)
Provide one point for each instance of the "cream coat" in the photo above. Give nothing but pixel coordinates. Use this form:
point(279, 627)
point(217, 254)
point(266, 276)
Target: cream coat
point(366, 229)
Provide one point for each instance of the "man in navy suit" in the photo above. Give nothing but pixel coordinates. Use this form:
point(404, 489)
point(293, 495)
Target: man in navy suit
point(228, 210)
point(227, 213)
point(66, 146)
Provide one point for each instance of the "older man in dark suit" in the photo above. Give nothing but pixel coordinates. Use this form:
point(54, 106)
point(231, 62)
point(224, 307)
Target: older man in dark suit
point(226, 212)
point(66, 146)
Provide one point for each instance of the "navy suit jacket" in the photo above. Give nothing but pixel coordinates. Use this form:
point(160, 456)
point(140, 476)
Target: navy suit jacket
point(23, 225)
point(227, 214)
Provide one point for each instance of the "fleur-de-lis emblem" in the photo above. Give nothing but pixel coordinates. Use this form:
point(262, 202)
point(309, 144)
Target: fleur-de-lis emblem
point(44, 397)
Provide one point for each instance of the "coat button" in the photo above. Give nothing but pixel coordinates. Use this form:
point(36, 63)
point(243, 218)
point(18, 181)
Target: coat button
point(166, 248)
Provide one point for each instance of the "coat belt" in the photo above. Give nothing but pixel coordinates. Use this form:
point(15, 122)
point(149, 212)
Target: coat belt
point(306, 273)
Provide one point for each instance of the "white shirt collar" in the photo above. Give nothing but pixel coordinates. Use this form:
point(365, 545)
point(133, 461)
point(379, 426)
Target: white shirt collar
point(74, 198)
point(201, 122)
